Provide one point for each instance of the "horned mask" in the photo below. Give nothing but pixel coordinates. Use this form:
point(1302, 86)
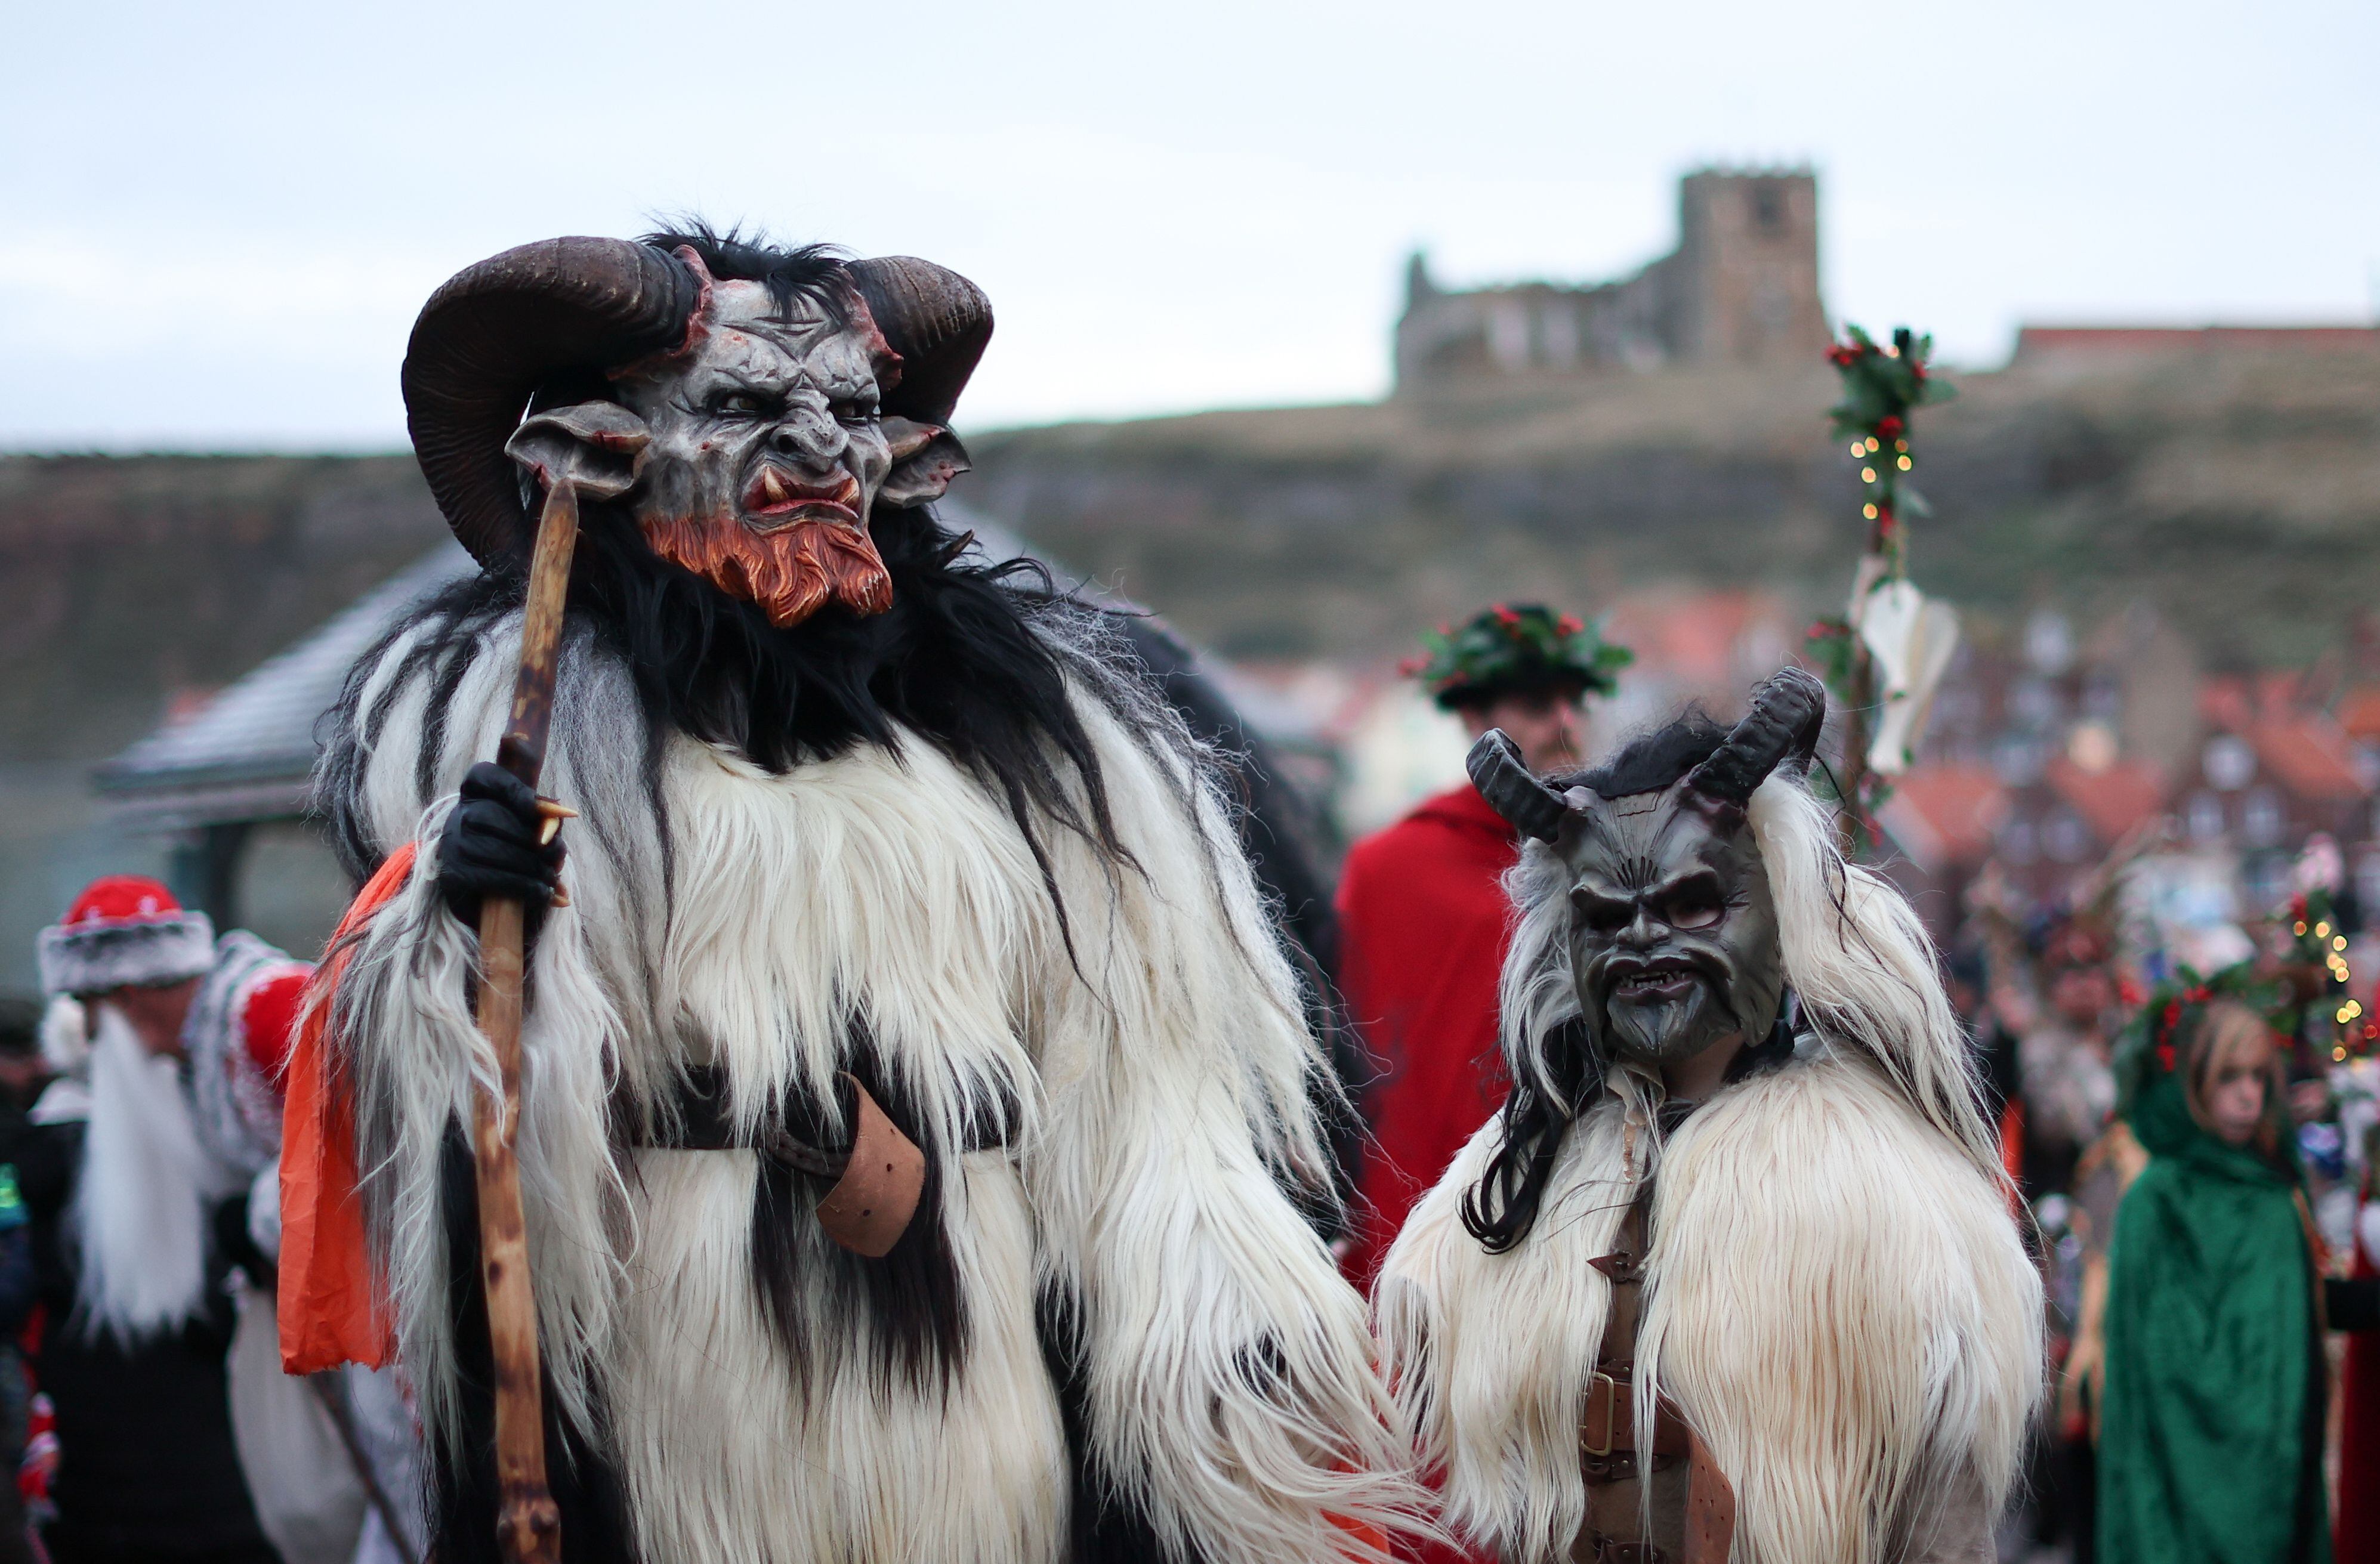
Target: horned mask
point(1673, 931)
point(751, 432)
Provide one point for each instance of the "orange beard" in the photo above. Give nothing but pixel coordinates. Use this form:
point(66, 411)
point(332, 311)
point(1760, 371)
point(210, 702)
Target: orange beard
point(791, 573)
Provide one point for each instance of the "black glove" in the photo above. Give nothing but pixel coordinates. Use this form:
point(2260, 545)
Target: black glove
point(490, 847)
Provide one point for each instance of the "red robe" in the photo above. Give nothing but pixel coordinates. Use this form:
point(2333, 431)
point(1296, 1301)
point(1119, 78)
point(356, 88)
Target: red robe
point(1423, 927)
point(2358, 1523)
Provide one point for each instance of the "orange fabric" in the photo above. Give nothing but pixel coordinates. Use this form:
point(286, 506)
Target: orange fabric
point(2357, 1539)
point(1367, 1538)
point(2012, 1156)
point(329, 1308)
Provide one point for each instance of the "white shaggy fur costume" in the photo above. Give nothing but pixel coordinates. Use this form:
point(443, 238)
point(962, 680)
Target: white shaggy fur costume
point(1835, 1296)
point(1153, 1081)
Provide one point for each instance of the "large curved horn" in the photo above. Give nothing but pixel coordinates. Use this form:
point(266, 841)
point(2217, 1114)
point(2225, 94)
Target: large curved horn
point(494, 330)
point(1512, 789)
point(937, 320)
point(1788, 711)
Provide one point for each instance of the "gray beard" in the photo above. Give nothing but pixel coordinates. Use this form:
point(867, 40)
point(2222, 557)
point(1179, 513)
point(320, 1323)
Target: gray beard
point(1665, 1034)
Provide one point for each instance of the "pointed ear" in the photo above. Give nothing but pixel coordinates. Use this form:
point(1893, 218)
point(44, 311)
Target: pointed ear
point(925, 458)
point(599, 446)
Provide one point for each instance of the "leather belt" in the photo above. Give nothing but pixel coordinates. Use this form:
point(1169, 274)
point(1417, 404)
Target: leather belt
point(1609, 1552)
point(1610, 1427)
point(875, 1174)
point(798, 1132)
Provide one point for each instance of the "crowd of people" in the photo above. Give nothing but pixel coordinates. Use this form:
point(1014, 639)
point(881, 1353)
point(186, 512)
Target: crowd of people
point(2167, 1147)
point(919, 1144)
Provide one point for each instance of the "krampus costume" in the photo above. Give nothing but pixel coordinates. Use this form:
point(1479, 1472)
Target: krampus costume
point(1797, 1310)
point(879, 843)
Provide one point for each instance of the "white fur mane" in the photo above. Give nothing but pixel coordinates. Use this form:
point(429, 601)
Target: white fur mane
point(1159, 1070)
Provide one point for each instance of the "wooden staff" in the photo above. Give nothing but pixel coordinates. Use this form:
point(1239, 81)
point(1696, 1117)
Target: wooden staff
point(528, 1526)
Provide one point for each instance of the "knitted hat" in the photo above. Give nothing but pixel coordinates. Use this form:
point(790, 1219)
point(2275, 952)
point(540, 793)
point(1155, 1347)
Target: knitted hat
point(125, 931)
point(1514, 649)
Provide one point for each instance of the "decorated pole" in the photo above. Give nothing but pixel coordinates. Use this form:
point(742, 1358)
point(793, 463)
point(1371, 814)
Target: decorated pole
point(528, 1526)
point(1883, 658)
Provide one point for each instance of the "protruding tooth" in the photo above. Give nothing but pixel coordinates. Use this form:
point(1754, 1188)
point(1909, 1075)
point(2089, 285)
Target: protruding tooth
point(773, 483)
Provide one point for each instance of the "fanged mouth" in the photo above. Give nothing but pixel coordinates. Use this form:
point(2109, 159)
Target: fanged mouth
point(775, 498)
point(1665, 978)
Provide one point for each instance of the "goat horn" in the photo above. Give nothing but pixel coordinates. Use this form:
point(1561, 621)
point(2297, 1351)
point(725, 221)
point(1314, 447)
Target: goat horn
point(937, 320)
point(489, 336)
point(1512, 789)
point(1788, 711)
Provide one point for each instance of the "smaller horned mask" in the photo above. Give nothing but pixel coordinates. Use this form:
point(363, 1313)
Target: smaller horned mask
point(1672, 937)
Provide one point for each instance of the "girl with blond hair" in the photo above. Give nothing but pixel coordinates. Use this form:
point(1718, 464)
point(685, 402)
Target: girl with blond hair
point(2211, 1438)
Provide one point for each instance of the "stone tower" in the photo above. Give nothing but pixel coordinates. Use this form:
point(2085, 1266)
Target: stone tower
point(1743, 287)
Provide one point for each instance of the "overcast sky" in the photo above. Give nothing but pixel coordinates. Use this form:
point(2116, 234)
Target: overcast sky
point(216, 222)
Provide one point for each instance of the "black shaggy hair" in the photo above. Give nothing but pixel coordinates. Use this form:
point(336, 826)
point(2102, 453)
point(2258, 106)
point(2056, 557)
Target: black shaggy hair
point(1501, 1207)
point(957, 660)
point(1654, 760)
point(812, 273)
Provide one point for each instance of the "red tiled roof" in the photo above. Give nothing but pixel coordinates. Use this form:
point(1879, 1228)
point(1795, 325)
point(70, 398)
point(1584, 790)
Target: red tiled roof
point(2227, 702)
point(2233, 702)
point(2110, 802)
point(1691, 638)
point(2308, 755)
point(1945, 815)
point(2359, 712)
point(2031, 340)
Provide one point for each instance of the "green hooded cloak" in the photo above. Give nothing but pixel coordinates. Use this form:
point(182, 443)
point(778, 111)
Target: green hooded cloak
point(2210, 1445)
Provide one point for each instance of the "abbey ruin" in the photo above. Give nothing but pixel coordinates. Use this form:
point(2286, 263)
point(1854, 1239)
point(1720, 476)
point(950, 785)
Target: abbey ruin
point(1742, 288)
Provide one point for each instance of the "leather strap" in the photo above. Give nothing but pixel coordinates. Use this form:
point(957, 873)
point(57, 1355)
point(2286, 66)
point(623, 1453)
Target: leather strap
point(1620, 1267)
point(869, 1206)
point(1609, 1426)
point(1607, 1460)
point(1710, 1507)
point(1609, 1552)
point(797, 1133)
point(874, 1184)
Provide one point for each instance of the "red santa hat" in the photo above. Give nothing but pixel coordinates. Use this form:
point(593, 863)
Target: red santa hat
point(125, 930)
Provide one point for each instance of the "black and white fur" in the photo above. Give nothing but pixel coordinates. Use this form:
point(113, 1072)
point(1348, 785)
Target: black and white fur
point(1837, 1295)
point(1113, 1334)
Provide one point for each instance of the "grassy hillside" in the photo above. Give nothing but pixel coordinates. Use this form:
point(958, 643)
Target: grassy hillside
point(2241, 495)
point(126, 582)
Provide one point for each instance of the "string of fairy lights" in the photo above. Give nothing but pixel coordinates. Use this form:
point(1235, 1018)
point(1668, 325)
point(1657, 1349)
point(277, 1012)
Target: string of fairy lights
point(2319, 936)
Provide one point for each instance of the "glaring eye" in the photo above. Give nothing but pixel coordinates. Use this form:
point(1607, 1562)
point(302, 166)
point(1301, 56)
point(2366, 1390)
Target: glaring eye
point(1695, 907)
point(739, 404)
point(1602, 915)
point(859, 414)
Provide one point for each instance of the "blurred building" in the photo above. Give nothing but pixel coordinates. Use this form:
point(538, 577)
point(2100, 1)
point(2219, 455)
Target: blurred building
point(1742, 288)
point(2052, 752)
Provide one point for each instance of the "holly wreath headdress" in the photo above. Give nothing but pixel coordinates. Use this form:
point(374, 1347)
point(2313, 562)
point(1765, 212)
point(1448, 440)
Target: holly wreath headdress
point(2150, 1092)
point(1516, 647)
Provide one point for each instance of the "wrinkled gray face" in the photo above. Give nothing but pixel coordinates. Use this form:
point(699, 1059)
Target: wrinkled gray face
point(1673, 933)
point(755, 455)
point(770, 421)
